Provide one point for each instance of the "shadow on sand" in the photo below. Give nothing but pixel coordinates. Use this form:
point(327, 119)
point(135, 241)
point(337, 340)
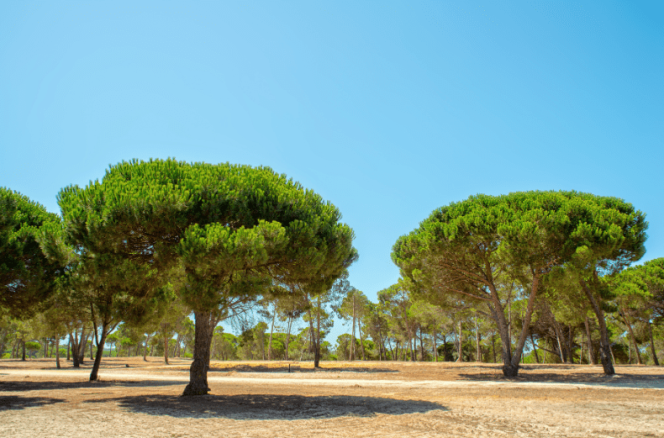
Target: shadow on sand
point(297, 369)
point(14, 386)
point(596, 379)
point(269, 407)
point(14, 402)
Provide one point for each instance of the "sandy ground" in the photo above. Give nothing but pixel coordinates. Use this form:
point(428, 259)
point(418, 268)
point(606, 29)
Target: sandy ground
point(252, 399)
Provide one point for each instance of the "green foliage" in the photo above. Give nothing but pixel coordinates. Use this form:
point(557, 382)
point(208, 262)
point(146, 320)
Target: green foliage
point(27, 276)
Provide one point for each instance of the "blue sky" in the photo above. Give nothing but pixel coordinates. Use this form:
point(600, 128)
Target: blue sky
point(387, 109)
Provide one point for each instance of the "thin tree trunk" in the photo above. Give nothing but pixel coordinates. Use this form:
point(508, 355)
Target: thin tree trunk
point(460, 340)
point(23, 356)
point(198, 384)
point(652, 345)
point(94, 375)
point(57, 352)
point(631, 334)
point(145, 348)
point(435, 346)
point(493, 347)
point(605, 352)
point(317, 340)
point(591, 353)
point(269, 344)
point(478, 357)
point(532, 340)
point(352, 336)
point(288, 330)
point(166, 349)
point(359, 330)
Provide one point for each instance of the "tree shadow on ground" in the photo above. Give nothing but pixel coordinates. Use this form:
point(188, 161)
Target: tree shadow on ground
point(297, 369)
point(270, 407)
point(600, 379)
point(15, 385)
point(14, 402)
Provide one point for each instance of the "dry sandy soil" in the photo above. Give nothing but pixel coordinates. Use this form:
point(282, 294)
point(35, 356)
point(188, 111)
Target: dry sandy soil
point(252, 399)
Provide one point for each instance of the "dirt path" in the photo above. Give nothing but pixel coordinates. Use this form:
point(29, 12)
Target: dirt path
point(146, 402)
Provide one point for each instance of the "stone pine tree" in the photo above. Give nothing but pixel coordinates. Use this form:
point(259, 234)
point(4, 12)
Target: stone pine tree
point(487, 248)
point(642, 289)
point(225, 230)
point(27, 276)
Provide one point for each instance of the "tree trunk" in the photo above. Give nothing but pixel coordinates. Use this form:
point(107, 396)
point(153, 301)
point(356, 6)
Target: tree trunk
point(631, 335)
point(269, 344)
point(605, 347)
point(94, 375)
point(288, 330)
point(478, 357)
point(145, 348)
point(317, 340)
point(91, 355)
point(69, 348)
point(352, 336)
point(57, 352)
point(198, 384)
point(166, 349)
point(591, 353)
point(460, 340)
point(652, 345)
point(534, 348)
point(23, 346)
point(435, 347)
point(359, 329)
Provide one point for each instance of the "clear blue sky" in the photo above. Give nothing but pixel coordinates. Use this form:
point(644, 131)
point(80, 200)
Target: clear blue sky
point(387, 109)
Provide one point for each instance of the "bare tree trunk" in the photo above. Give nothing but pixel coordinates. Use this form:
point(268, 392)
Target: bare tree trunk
point(316, 338)
point(435, 346)
point(460, 340)
point(269, 344)
point(359, 329)
point(532, 341)
point(198, 384)
point(145, 347)
point(100, 352)
point(478, 356)
point(605, 352)
point(591, 353)
point(57, 352)
point(352, 336)
point(652, 345)
point(23, 354)
point(633, 338)
point(166, 349)
point(68, 347)
point(288, 330)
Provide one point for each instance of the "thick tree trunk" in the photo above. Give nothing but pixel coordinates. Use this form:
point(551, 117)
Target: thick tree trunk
point(198, 384)
point(591, 353)
point(631, 335)
point(94, 375)
point(652, 345)
point(605, 352)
